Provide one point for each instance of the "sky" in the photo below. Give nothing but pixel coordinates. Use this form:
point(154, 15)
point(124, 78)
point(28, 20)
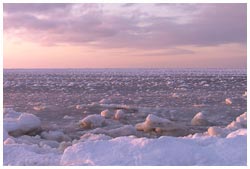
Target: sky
point(125, 35)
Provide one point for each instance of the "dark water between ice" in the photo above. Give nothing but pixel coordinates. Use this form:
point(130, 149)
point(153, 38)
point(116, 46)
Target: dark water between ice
point(169, 93)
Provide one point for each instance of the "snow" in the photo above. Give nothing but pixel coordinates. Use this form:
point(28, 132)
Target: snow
point(143, 151)
point(92, 121)
point(236, 133)
point(200, 120)
point(94, 137)
point(239, 123)
point(217, 146)
point(23, 154)
point(55, 135)
point(19, 123)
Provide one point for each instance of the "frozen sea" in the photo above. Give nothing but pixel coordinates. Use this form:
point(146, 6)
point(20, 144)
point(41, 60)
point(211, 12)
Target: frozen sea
point(124, 107)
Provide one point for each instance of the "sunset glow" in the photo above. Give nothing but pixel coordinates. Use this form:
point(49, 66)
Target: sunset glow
point(125, 35)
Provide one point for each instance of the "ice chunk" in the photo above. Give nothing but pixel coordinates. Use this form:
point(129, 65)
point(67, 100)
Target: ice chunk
point(240, 122)
point(119, 114)
point(238, 132)
point(40, 107)
point(79, 106)
point(63, 145)
point(68, 117)
point(160, 125)
point(245, 94)
point(217, 131)
point(200, 120)
point(126, 130)
point(9, 141)
point(228, 101)
point(16, 123)
point(92, 121)
point(107, 113)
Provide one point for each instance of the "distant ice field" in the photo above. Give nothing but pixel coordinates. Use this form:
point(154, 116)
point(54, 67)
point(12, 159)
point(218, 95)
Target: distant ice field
point(61, 98)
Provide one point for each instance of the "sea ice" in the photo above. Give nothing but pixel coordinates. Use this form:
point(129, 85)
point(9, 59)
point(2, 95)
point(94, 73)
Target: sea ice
point(230, 148)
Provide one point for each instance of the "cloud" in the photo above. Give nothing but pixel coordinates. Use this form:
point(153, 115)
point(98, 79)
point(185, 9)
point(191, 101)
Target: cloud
point(14, 8)
point(136, 26)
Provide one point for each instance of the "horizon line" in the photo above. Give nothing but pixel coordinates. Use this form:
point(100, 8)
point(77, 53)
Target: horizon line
point(126, 68)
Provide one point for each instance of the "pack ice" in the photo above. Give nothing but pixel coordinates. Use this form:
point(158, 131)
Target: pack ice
point(217, 146)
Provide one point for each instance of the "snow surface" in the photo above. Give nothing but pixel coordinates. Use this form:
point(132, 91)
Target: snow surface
point(143, 151)
point(229, 148)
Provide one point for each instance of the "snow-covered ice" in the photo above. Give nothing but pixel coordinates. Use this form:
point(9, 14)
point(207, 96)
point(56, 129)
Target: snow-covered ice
point(148, 107)
point(18, 123)
point(101, 149)
point(162, 151)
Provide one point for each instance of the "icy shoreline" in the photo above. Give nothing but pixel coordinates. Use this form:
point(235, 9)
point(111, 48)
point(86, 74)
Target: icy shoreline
point(217, 146)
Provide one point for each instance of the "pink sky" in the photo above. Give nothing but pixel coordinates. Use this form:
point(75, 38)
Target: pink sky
point(125, 35)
